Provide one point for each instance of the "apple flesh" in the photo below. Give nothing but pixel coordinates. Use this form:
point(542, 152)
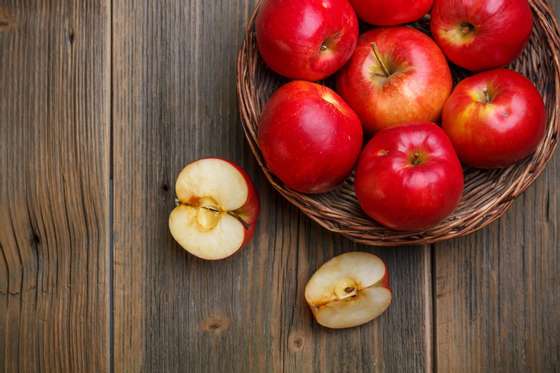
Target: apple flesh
point(306, 39)
point(391, 12)
point(217, 209)
point(494, 119)
point(409, 178)
point(310, 138)
point(480, 35)
point(396, 75)
point(349, 290)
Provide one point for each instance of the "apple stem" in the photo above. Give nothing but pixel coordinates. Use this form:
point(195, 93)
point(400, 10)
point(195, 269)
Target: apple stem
point(379, 60)
point(487, 97)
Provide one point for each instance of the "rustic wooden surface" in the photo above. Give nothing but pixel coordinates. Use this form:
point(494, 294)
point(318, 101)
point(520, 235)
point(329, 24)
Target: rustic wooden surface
point(55, 122)
point(101, 104)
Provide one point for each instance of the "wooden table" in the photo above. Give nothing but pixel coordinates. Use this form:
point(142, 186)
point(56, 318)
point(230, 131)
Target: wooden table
point(101, 104)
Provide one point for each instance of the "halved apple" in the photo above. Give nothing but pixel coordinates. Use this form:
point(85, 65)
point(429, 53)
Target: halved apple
point(349, 290)
point(217, 209)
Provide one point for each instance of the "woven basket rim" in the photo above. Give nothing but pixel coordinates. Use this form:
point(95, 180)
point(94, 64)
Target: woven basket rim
point(354, 226)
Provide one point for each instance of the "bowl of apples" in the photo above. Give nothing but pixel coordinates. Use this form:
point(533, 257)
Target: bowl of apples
point(399, 122)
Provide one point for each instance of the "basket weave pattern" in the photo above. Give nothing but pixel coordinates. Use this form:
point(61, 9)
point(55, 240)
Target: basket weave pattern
point(487, 195)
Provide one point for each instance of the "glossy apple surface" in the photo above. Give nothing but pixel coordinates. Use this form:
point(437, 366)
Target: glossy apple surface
point(309, 137)
point(494, 118)
point(306, 39)
point(217, 209)
point(391, 12)
point(409, 178)
point(396, 75)
point(481, 34)
point(349, 290)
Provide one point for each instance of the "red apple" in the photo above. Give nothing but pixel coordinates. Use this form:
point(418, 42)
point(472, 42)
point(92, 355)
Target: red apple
point(217, 209)
point(306, 39)
point(409, 178)
point(481, 34)
point(391, 12)
point(494, 118)
point(396, 75)
point(349, 290)
point(309, 136)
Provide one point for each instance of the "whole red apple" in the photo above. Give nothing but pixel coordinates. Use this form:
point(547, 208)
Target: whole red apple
point(306, 39)
point(309, 136)
point(494, 118)
point(396, 75)
point(481, 34)
point(391, 12)
point(409, 178)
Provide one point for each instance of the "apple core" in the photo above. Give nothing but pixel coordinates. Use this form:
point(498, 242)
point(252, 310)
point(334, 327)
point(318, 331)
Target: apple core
point(207, 218)
point(347, 288)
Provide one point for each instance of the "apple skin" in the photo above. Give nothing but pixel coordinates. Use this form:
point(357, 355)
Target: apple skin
point(391, 12)
point(481, 34)
point(309, 136)
point(250, 210)
point(349, 290)
point(419, 82)
point(217, 209)
point(500, 132)
point(409, 178)
point(306, 39)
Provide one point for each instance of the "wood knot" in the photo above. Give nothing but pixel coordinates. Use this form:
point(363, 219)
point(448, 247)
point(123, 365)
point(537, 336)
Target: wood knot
point(71, 37)
point(165, 187)
point(35, 239)
point(7, 21)
point(215, 325)
point(296, 342)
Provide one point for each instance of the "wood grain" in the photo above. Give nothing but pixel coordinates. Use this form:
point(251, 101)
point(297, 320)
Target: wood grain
point(174, 102)
point(497, 295)
point(54, 197)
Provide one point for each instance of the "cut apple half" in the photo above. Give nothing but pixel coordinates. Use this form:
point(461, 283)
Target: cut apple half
point(349, 290)
point(217, 209)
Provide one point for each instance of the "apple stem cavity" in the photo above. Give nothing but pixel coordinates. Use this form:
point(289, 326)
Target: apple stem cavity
point(377, 55)
point(330, 42)
point(467, 28)
point(417, 158)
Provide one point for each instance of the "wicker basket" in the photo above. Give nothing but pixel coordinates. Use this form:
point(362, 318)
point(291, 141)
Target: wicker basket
point(487, 195)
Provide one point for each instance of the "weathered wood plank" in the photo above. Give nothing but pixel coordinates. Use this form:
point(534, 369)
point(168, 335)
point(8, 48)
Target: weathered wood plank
point(174, 102)
point(54, 186)
point(497, 294)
